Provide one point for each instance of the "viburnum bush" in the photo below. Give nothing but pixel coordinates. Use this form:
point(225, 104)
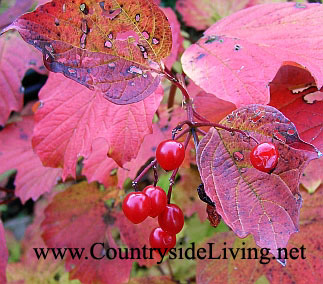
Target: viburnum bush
point(146, 127)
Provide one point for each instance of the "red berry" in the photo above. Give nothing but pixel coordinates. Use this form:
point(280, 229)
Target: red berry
point(264, 157)
point(160, 239)
point(136, 207)
point(158, 199)
point(171, 219)
point(170, 154)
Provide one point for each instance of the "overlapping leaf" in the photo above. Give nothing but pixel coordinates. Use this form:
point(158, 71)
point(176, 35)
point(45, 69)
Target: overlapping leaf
point(250, 201)
point(3, 255)
point(16, 57)
point(33, 179)
point(249, 269)
point(99, 167)
point(211, 107)
point(69, 121)
point(112, 46)
point(293, 91)
point(87, 222)
point(238, 56)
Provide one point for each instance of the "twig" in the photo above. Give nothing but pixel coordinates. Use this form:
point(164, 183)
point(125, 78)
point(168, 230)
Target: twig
point(145, 170)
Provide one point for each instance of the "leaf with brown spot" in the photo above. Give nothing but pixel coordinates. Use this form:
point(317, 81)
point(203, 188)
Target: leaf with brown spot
point(250, 201)
point(114, 46)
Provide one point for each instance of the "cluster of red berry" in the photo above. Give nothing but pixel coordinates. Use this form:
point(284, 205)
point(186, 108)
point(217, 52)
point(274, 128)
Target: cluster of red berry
point(152, 201)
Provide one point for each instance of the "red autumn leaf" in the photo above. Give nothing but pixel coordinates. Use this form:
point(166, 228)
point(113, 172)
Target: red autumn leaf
point(137, 236)
point(3, 255)
point(69, 121)
point(147, 150)
point(18, 8)
point(238, 56)
point(244, 270)
point(16, 57)
point(98, 167)
point(293, 92)
point(33, 179)
point(177, 38)
point(211, 107)
point(87, 222)
point(112, 46)
point(250, 201)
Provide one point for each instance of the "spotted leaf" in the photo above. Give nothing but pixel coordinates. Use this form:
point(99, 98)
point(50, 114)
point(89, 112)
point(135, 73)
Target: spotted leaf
point(114, 46)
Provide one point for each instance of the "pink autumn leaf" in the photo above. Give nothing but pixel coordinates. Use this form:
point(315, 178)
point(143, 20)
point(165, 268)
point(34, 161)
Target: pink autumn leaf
point(16, 57)
point(238, 56)
point(3, 255)
point(162, 130)
point(177, 44)
point(147, 151)
point(99, 167)
point(211, 107)
point(33, 179)
point(71, 117)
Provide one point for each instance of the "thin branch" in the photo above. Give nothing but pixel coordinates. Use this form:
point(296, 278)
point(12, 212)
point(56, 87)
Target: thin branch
point(171, 97)
point(145, 171)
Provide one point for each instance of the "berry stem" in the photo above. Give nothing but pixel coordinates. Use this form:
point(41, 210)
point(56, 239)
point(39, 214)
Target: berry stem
point(145, 170)
point(6, 190)
point(172, 178)
point(155, 175)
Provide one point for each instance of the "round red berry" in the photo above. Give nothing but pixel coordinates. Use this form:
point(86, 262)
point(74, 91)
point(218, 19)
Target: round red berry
point(136, 207)
point(162, 240)
point(158, 199)
point(171, 219)
point(264, 157)
point(170, 154)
